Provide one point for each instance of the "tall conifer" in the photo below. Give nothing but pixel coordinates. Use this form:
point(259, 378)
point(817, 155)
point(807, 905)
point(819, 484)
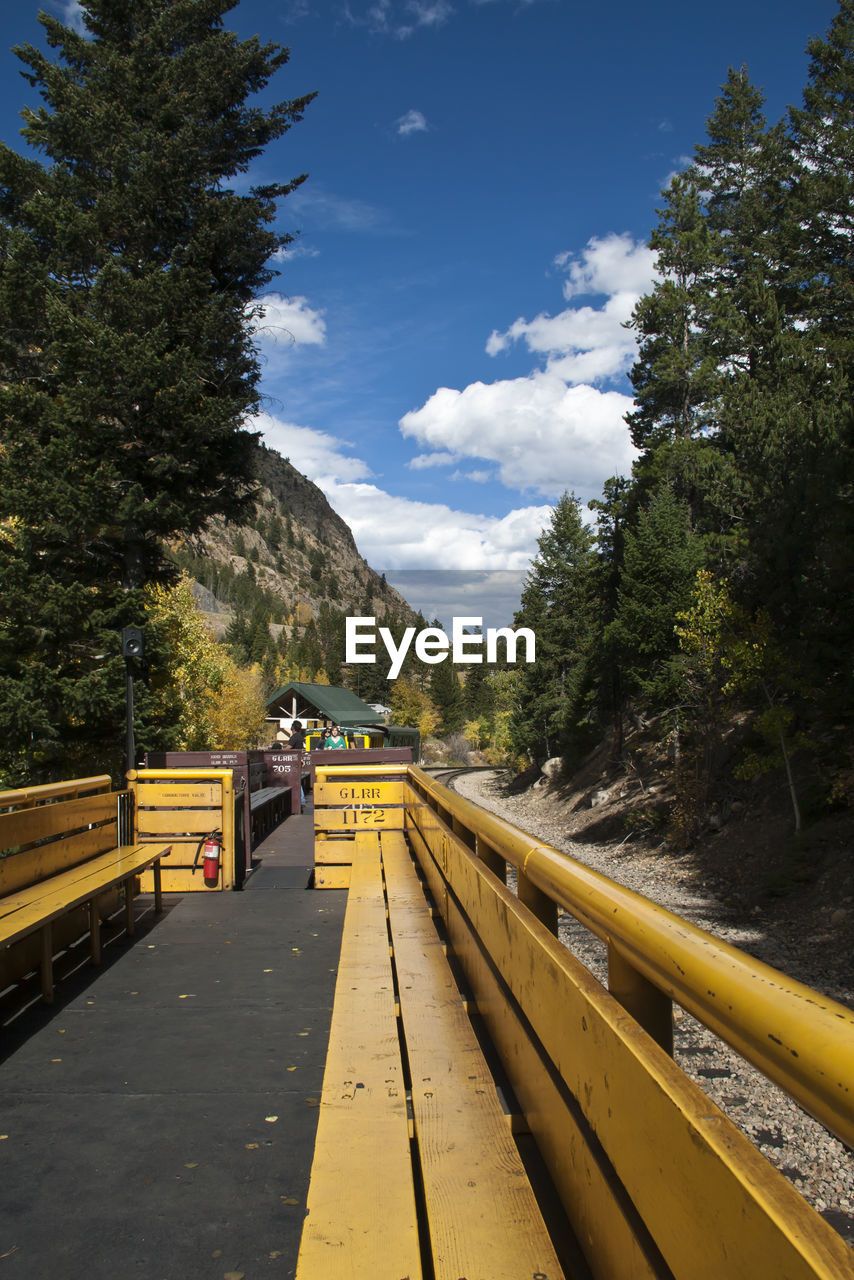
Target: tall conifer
point(128, 266)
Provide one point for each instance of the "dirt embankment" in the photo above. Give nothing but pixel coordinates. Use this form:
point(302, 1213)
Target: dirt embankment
point(796, 892)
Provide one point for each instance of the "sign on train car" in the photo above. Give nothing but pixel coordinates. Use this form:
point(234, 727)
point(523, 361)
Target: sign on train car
point(344, 792)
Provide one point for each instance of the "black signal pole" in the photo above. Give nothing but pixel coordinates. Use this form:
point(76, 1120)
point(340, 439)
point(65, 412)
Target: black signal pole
point(132, 651)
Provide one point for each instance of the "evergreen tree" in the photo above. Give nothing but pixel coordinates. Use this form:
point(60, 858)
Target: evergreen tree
point(822, 221)
point(558, 606)
point(127, 366)
point(446, 693)
point(676, 375)
point(662, 556)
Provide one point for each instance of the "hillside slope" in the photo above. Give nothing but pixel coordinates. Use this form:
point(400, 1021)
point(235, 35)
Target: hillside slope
point(294, 555)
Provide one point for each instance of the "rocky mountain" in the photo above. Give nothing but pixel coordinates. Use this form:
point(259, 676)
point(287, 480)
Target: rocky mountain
point(294, 558)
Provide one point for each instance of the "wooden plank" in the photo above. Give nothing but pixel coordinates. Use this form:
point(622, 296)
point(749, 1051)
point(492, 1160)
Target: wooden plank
point(361, 1220)
point(607, 1227)
point(49, 791)
point(53, 820)
point(161, 822)
point(357, 791)
point(22, 869)
point(354, 818)
point(28, 910)
point(332, 877)
point(483, 1216)
point(177, 794)
point(334, 852)
point(727, 1210)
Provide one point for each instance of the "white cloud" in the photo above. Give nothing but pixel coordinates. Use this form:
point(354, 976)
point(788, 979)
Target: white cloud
point(589, 344)
point(396, 532)
point(413, 122)
point(542, 434)
point(583, 344)
point(402, 19)
point(71, 14)
point(316, 454)
point(556, 428)
point(287, 321)
point(615, 264)
point(423, 460)
point(327, 210)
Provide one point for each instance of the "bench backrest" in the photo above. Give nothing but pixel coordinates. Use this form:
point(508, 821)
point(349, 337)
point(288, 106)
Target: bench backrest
point(181, 806)
point(46, 829)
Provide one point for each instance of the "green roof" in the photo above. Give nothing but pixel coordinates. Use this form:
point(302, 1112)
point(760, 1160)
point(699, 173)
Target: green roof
point(330, 701)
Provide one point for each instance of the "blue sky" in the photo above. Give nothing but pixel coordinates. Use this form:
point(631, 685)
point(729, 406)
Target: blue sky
point(443, 351)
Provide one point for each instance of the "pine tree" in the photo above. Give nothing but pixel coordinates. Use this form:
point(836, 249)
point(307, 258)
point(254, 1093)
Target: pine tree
point(661, 559)
point(128, 267)
point(446, 693)
point(676, 375)
point(558, 606)
point(822, 221)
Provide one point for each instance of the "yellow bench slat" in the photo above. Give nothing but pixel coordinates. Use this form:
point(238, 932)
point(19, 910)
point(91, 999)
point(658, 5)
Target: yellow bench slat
point(23, 826)
point(31, 908)
point(361, 1219)
point(483, 1216)
point(21, 870)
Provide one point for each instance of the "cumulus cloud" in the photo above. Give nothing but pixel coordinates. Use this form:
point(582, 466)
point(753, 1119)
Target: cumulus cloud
point(288, 321)
point(318, 455)
point(561, 426)
point(589, 344)
point(396, 532)
point(614, 264)
point(541, 433)
point(413, 122)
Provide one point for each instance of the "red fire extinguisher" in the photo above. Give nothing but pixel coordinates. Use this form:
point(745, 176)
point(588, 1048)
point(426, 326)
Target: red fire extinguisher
point(210, 845)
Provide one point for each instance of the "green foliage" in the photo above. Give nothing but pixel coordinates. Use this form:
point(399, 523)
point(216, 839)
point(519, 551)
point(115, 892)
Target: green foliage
point(128, 266)
point(558, 606)
point(744, 424)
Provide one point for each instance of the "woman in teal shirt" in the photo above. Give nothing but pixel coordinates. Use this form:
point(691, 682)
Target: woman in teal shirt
point(335, 741)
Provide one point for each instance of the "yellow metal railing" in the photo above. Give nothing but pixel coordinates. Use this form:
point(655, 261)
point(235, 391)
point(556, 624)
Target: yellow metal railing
point(798, 1038)
point(655, 1179)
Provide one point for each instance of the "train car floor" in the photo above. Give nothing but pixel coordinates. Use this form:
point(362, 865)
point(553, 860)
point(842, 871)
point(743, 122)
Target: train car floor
point(159, 1120)
point(285, 859)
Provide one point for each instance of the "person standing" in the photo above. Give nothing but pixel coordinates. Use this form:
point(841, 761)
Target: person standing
point(335, 741)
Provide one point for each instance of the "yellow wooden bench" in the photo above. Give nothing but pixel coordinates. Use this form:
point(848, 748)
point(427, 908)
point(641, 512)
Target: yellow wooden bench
point(60, 851)
point(429, 1183)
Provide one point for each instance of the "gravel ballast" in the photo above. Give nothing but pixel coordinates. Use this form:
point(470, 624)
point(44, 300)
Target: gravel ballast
point(820, 1166)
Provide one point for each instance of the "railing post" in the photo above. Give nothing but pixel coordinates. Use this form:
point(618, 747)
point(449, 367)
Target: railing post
point(543, 907)
point(641, 998)
point(492, 860)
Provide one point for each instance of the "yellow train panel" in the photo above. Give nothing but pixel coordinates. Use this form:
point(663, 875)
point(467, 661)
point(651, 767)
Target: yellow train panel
point(358, 818)
point(337, 793)
point(332, 877)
